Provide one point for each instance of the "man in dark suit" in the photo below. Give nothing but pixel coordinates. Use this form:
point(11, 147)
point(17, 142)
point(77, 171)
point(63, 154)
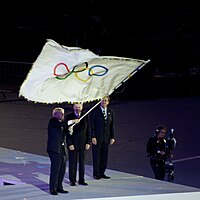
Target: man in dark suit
point(56, 148)
point(78, 142)
point(103, 135)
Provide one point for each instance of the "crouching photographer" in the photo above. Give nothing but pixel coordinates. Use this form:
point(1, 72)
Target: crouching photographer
point(159, 151)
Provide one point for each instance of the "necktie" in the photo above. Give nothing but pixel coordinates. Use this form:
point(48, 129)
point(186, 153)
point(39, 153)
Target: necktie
point(104, 114)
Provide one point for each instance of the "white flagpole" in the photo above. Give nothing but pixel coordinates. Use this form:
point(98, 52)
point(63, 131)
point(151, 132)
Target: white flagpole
point(130, 75)
point(90, 109)
point(71, 127)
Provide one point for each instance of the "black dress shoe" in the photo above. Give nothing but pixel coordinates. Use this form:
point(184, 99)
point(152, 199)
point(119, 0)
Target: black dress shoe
point(97, 177)
point(73, 184)
point(105, 177)
point(63, 191)
point(82, 183)
point(53, 192)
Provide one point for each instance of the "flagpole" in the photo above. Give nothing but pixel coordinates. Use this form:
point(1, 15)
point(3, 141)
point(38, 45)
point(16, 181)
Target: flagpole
point(130, 75)
point(71, 127)
point(90, 109)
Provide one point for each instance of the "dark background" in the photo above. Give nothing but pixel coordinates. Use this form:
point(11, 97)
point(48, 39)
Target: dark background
point(165, 91)
point(165, 32)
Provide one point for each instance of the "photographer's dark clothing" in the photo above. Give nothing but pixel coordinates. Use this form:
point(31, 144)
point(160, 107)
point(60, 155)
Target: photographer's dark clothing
point(157, 161)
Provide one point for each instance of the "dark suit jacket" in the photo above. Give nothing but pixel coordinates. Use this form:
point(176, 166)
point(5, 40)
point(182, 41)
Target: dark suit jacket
point(102, 131)
point(56, 135)
point(81, 132)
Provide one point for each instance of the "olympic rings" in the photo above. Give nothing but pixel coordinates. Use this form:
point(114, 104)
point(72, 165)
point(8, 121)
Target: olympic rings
point(76, 71)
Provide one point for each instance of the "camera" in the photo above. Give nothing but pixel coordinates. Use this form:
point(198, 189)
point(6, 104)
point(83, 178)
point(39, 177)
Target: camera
point(171, 141)
point(169, 169)
point(170, 146)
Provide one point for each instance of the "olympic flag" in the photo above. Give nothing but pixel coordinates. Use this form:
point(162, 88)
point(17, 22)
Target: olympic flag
point(72, 74)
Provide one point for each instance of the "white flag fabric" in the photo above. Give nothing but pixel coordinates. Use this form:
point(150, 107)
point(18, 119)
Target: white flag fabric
point(71, 74)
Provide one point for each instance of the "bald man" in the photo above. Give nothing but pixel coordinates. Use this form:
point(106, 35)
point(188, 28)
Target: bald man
point(78, 142)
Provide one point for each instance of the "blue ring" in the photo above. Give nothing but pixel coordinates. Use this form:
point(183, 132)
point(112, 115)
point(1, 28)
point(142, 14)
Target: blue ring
point(106, 70)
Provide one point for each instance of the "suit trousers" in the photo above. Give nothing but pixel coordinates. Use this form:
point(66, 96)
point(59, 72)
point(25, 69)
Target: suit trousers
point(57, 169)
point(100, 158)
point(74, 156)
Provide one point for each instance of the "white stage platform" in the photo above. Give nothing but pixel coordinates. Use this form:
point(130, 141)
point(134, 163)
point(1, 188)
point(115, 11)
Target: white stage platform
point(25, 176)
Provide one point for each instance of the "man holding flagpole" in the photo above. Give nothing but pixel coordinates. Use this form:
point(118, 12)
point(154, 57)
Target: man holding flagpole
point(56, 148)
point(103, 135)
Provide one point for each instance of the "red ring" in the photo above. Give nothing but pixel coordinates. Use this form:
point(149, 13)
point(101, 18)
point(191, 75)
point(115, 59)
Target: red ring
point(54, 71)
